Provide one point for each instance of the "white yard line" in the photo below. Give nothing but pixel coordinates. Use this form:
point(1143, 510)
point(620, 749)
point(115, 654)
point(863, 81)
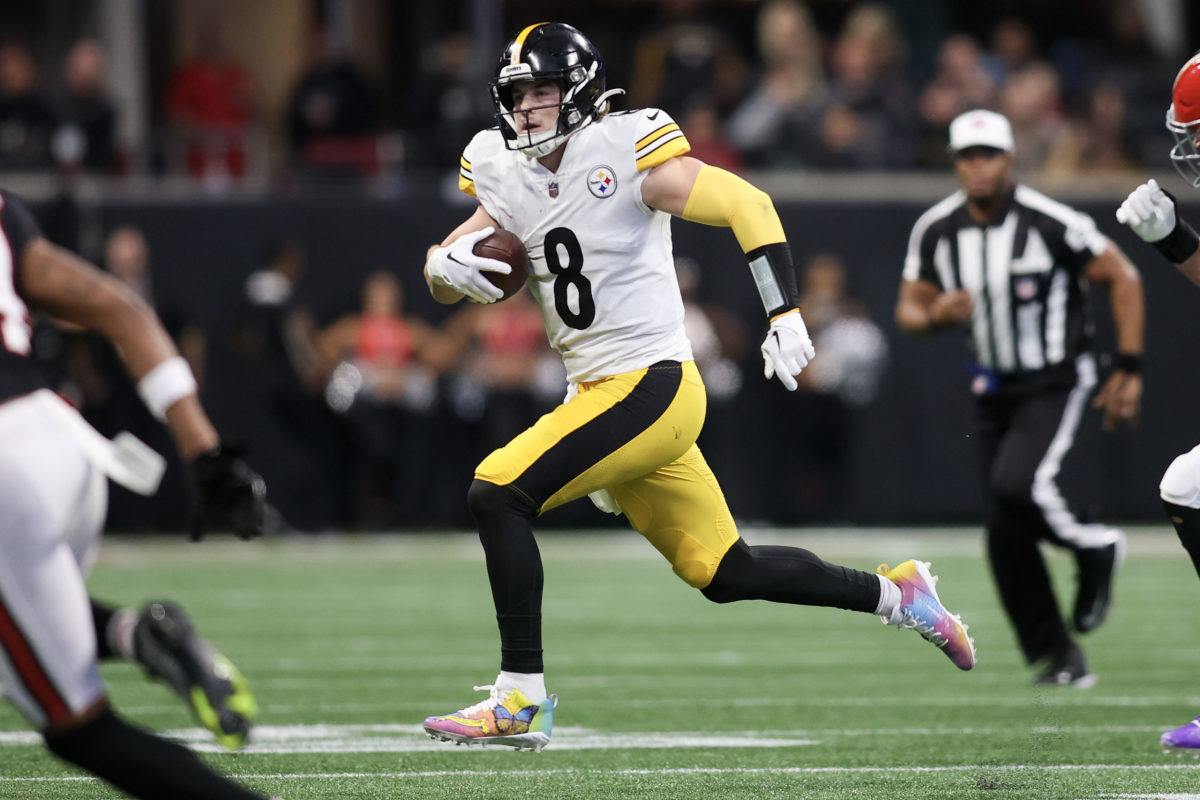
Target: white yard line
point(469, 773)
point(406, 738)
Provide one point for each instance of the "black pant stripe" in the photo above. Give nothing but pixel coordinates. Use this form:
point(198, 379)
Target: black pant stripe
point(595, 440)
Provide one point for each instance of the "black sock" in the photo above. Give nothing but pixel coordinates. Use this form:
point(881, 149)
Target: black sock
point(1187, 525)
point(790, 575)
point(514, 570)
point(102, 614)
point(140, 763)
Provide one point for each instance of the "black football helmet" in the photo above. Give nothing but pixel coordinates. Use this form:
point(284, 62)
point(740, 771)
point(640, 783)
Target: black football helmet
point(558, 52)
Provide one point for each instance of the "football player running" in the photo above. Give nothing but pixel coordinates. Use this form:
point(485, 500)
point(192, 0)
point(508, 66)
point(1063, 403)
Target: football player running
point(1150, 212)
point(53, 493)
point(591, 194)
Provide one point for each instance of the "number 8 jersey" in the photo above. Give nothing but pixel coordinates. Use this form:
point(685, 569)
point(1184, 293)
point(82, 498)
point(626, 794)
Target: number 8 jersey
point(603, 272)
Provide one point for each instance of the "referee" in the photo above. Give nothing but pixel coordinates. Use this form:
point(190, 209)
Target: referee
point(1013, 267)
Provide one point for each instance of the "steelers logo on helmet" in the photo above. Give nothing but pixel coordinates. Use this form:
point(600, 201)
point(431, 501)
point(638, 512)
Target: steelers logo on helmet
point(550, 51)
point(1183, 121)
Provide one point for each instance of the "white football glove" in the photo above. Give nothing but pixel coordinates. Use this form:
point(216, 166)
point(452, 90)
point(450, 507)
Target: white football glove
point(456, 266)
point(787, 349)
point(1149, 211)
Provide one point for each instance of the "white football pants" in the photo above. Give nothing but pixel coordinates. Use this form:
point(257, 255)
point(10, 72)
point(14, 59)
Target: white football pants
point(52, 506)
point(1181, 482)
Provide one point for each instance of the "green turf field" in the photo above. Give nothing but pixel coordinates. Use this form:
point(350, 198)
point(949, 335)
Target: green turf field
point(351, 642)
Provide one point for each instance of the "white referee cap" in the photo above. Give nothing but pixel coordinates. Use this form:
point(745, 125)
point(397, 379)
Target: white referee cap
point(980, 128)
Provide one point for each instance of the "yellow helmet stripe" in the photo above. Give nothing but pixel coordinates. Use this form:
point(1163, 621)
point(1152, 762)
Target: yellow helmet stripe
point(519, 42)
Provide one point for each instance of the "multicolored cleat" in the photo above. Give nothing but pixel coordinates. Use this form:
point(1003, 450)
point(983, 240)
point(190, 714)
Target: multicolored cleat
point(506, 718)
point(1185, 737)
point(921, 609)
point(168, 646)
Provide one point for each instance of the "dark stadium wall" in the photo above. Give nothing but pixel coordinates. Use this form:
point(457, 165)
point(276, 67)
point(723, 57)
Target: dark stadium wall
point(912, 456)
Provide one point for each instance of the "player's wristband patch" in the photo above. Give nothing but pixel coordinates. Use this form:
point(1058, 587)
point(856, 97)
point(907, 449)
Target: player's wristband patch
point(1179, 244)
point(774, 277)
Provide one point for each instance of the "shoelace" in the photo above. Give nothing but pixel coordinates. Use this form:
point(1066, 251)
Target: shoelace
point(910, 620)
point(493, 700)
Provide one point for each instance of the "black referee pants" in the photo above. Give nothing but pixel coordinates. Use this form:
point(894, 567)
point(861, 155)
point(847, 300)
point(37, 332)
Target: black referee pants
point(1024, 436)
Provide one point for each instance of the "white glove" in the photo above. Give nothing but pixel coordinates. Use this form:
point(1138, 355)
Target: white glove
point(787, 349)
point(601, 498)
point(456, 266)
point(1149, 211)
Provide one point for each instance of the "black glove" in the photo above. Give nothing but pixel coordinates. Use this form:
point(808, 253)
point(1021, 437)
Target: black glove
point(227, 491)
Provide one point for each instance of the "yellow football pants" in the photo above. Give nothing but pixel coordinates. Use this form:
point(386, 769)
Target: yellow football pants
point(635, 435)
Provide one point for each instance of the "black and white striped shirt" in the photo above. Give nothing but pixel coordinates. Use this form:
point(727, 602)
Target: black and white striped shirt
point(1023, 272)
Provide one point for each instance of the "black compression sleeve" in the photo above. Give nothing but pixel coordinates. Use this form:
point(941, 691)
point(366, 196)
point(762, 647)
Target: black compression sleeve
point(775, 277)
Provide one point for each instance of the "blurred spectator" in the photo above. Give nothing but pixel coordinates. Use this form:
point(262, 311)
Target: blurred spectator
point(210, 103)
point(1030, 99)
point(26, 119)
point(1126, 58)
point(700, 123)
point(685, 57)
point(278, 378)
point(331, 116)
point(718, 338)
point(868, 120)
point(1012, 49)
point(1095, 140)
point(853, 348)
point(775, 126)
point(845, 375)
point(271, 326)
point(506, 374)
point(109, 400)
point(383, 365)
point(960, 83)
point(446, 105)
point(85, 136)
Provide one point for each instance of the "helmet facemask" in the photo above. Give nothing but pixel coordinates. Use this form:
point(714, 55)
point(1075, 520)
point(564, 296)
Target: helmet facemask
point(577, 106)
point(1185, 155)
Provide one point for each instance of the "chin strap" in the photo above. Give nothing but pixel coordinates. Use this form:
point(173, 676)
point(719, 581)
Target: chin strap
point(550, 145)
point(603, 98)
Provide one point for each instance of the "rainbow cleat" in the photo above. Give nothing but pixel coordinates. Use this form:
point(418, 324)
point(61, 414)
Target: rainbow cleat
point(921, 609)
point(506, 718)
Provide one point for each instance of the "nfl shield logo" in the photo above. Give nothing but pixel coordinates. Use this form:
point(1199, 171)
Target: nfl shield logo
point(553, 189)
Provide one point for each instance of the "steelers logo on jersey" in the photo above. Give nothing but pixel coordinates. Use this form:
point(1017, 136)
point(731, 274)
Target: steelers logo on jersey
point(602, 181)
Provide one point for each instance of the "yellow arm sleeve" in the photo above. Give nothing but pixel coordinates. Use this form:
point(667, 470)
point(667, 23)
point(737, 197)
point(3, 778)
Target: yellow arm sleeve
point(723, 199)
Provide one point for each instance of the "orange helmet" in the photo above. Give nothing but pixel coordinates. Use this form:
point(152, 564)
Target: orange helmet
point(1183, 121)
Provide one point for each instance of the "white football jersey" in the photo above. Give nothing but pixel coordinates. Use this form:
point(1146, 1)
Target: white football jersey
point(603, 270)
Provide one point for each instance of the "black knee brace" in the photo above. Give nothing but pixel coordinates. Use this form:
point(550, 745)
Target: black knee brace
point(141, 763)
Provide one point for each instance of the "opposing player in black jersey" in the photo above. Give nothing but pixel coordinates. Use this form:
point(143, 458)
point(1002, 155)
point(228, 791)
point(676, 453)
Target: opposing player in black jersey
point(1012, 266)
point(1151, 213)
point(53, 492)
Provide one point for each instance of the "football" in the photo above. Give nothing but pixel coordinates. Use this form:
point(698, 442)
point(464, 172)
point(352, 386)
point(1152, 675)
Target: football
point(505, 246)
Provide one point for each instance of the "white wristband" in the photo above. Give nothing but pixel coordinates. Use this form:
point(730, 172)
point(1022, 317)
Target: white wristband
point(166, 384)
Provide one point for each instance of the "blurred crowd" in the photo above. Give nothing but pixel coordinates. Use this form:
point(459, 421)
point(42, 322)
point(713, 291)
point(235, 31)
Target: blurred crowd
point(344, 410)
point(372, 418)
point(863, 89)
